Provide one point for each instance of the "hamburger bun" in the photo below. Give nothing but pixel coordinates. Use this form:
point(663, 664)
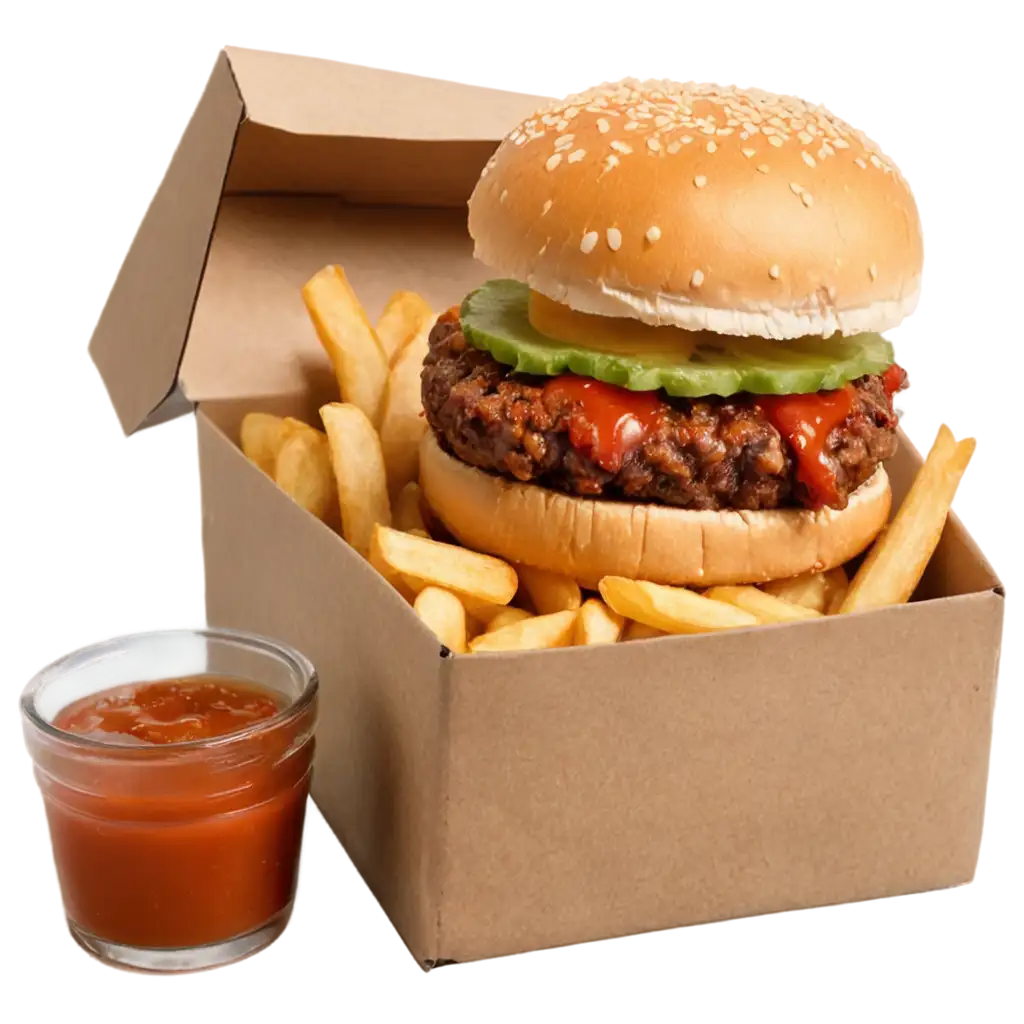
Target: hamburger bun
point(705, 208)
point(586, 539)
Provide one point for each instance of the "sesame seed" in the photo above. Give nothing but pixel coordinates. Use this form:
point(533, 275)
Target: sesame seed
point(775, 140)
point(700, 181)
point(521, 140)
point(750, 128)
point(621, 147)
point(748, 153)
point(504, 195)
point(763, 168)
point(861, 164)
point(708, 129)
point(576, 155)
point(744, 136)
point(661, 120)
point(774, 272)
point(571, 112)
point(725, 131)
point(795, 188)
point(712, 146)
point(541, 250)
point(562, 125)
point(563, 142)
point(840, 144)
point(547, 206)
point(873, 271)
point(875, 161)
point(686, 140)
point(631, 126)
point(807, 158)
point(603, 126)
point(653, 234)
point(806, 138)
point(614, 237)
point(806, 198)
point(553, 161)
point(653, 144)
point(674, 147)
point(588, 242)
point(826, 150)
point(610, 161)
point(697, 279)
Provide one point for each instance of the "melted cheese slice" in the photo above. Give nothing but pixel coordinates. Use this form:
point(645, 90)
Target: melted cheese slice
point(619, 335)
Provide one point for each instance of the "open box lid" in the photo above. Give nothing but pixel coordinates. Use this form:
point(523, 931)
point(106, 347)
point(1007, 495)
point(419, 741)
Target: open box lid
point(398, 155)
point(371, 136)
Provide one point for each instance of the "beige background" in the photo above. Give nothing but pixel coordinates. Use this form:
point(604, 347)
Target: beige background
point(94, 532)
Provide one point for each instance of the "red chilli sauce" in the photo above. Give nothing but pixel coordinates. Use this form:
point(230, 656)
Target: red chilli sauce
point(607, 422)
point(805, 421)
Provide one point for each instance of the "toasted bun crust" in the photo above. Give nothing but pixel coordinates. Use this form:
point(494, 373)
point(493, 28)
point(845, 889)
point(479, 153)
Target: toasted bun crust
point(587, 539)
point(702, 207)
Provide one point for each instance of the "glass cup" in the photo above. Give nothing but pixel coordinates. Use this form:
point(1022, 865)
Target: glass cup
point(176, 856)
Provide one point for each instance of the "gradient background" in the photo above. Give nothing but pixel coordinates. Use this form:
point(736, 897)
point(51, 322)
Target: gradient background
point(95, 532)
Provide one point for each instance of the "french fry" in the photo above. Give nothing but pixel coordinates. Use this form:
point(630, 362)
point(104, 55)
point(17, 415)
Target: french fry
point(640, 631)
point(507, 617)
point(483, 612)
point(896, 563)
point(405, 316)
point(402, 585)
point(480, 611)
point(402, 423)
point(766, 608)
point(536, 632)
point(445, 614)
point(408, 510)
point(596, 623)
point(549, 592)
point(809, 590)
point(359, 471)
point(303, 471)
point(262, 436)
point(446, 565)
point(672, 609)
point(356, 354)
point(836, 586)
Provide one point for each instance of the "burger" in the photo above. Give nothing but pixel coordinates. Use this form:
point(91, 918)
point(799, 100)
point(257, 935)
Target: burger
point(678, 373)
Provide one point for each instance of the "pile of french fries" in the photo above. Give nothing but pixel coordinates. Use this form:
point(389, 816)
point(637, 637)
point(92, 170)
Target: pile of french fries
point(359, 474)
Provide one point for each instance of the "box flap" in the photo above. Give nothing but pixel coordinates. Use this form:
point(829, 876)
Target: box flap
point(309, 96)
point(140, 336)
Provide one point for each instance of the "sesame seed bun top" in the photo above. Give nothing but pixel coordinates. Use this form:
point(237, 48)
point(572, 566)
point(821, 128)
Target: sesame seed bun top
point(703, 207)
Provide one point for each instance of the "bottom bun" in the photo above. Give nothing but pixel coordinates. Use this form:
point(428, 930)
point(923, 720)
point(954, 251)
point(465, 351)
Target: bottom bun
point(587, 538)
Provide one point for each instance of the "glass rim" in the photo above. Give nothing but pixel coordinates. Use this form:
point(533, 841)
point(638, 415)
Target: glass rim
point(296, 660)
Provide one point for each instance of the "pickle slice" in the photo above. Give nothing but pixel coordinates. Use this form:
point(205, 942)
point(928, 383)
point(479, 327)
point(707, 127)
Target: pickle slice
point(495, 318)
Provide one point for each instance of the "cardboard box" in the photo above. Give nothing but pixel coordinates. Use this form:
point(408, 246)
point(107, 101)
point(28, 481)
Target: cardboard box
point(506, 802)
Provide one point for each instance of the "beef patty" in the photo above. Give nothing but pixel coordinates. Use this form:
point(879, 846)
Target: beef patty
point(705, 453)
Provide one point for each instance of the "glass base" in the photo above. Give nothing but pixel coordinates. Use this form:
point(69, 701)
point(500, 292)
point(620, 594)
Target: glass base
point(189, 958)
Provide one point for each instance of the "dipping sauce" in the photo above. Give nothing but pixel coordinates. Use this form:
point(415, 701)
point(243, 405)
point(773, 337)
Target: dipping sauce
point(171, 711)
point(176, 809)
